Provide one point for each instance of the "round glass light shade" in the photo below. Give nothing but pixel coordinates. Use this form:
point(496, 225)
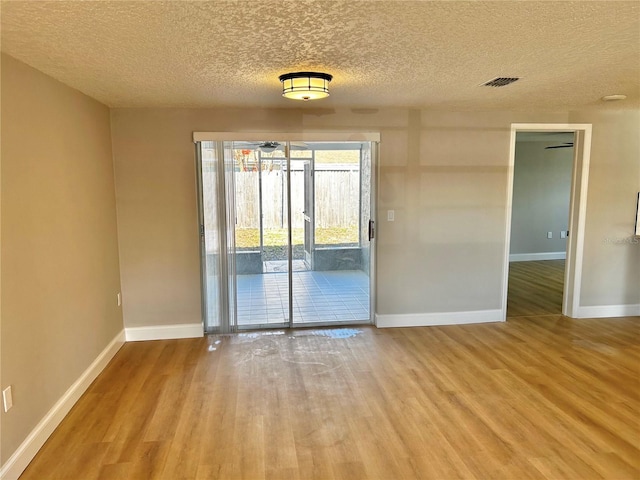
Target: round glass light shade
point(305, 85)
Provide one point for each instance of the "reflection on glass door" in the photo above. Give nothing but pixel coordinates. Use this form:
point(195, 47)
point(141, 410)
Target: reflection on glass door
point(285, 233)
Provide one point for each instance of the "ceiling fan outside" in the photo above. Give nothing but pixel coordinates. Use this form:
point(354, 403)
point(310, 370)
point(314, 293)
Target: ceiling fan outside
point(562, 145)
point(270, 146)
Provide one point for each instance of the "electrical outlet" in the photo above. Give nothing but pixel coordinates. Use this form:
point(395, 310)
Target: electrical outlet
point(391, 215)
point(119, 299)
point(7, 398)
point(549, 234)
point(563, 234)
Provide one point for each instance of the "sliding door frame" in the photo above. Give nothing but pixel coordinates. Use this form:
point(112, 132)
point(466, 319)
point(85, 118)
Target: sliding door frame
point(201, 238)
point(286, 138)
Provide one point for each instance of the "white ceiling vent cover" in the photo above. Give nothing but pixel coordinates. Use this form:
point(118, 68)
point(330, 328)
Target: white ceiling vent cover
point(500, 81)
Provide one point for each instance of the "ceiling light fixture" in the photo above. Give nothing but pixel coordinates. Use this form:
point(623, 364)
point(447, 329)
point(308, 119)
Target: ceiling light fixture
point(305, 85)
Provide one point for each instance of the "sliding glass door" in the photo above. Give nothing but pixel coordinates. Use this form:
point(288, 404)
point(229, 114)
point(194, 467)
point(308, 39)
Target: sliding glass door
point(217, 237)
point(336, 203)
point(285, 233)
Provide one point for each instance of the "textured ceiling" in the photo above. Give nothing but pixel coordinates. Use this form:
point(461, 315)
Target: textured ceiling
point(431, 54)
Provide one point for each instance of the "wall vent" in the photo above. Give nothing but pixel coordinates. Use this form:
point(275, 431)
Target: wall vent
point(500, 81)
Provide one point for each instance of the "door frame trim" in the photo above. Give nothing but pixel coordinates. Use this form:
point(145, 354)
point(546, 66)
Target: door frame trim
point(306, 136)
point(577, 210)
point(373, 242)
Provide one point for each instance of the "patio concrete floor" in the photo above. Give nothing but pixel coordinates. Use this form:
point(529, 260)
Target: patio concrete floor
point(318, 297)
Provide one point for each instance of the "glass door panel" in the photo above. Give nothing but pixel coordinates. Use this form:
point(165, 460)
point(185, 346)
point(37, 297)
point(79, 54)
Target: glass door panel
point(216, 239)
point(336, 192)
point(230, 215)
point(261, 249)
point(209, 235)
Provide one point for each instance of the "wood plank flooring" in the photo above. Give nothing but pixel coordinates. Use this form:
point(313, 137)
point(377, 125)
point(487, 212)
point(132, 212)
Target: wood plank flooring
point(535, 288)
point(533, 398)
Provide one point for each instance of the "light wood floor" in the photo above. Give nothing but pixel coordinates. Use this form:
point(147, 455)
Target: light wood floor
point(535, 288)
point(535, 397)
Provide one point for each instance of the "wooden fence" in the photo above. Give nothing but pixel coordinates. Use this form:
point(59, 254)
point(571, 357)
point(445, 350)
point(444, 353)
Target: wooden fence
point(337, 198)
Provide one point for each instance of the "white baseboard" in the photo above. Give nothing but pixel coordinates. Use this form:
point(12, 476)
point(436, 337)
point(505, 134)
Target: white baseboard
point(529, 257)
point(606, 311)
point(436, 319)
point(164, 332)
point(21, 458)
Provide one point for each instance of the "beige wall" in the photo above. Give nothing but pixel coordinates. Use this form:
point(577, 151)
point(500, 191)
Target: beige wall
point(59, 272)
point(611, 274)
point(445, 175)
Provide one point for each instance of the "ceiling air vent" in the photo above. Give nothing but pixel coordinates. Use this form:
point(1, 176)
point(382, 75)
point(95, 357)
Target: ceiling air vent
point(500, 81)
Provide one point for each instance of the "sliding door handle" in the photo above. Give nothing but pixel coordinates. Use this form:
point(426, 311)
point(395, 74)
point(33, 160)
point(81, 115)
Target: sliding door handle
point(372, 230)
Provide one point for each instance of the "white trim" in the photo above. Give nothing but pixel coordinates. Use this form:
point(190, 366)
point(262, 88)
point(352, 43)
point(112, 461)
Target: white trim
point(577, 210)
point(508, 213)
point(577, 216)
point(438, 319)
point(608, 311)
point(21, 458)
point(373, 243)
point(637, 229)
point(164, 332)
point(551, 127)
point(307, 136)
point(531, 257)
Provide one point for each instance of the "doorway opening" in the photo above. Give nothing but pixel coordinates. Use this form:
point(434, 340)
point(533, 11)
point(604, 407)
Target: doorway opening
point(284, 233)
point(539, 222)
point(545, 219)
